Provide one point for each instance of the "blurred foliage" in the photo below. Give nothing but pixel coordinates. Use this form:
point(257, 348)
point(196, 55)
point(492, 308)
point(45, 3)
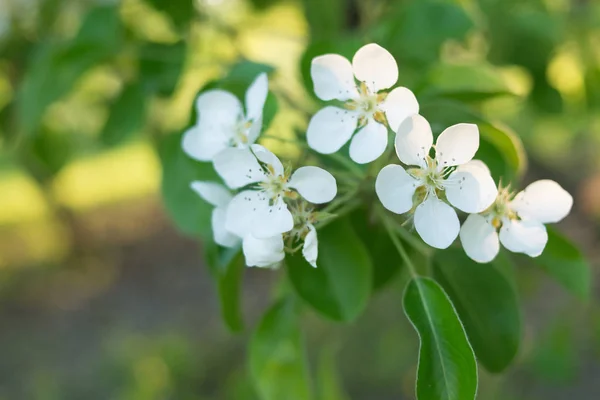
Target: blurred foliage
point(86, 83)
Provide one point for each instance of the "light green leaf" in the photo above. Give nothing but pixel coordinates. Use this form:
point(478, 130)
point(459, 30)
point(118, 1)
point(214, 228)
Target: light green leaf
point(447, 369)
point(191, 214)
point(468, 82)
point(486, 303)
point(340, 287)
point(126, 115)
point(277, 356)
point(565, 263)
point(328, 380)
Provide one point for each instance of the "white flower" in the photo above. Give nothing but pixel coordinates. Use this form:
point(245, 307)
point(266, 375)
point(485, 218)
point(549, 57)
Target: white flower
point(222, 122)
point(366, 106)
point(260, 208)
point(218, 196)
point(465, 183)
point(269, 252)
point(521, 221)
point(264, 253)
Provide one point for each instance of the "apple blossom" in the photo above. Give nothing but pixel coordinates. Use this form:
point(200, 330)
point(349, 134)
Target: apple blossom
point(366, 105)
point(451, 175)
point(222, 122)
point(520, 220)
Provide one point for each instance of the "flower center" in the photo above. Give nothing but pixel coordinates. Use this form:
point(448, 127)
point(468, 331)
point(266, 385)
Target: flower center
point(501, 209)
point(240, 136)
point(367, 104)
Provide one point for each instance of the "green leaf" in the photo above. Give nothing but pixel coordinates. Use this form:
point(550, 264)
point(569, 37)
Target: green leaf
point(191, 214)
point(229, 286)
point(277, 356)
point(180, 12)
point(555, 356)
point(161, 65)
point(126, 116)
point(381, 249)
point(55, 68)
point(447, 369)
point(47, 153)
point(226, 265)
point(340, 287)
point(409, 34)
point(470, 82)
point(328, 380)
point(486, 303)
point(565, 263)
point(326, 19)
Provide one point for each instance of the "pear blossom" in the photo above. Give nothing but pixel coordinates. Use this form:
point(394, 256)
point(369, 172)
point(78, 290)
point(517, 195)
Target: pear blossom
point(520, 220)
point(268, 252)
point(220, 197)
point(222, 122)
point(426, 188)
point(367, 106)
point(260, 208)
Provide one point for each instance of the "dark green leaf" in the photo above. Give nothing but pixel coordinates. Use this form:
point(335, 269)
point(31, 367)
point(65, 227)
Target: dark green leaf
point(326, 19)
point(161, 65)
point(340, 287)
point(190, 213)
point(384, 256)
point(126, 116)
point(277, 356)
point(409, 34)
point(229, 285)
point(447, 369)
point(47, 153)
point(180, 12)
point(565, 263)
point(486, 304)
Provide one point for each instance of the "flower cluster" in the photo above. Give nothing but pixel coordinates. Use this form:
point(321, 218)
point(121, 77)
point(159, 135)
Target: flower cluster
point(269, 209)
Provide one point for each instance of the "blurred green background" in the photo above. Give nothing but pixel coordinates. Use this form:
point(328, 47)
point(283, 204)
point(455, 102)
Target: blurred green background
point(101, 297)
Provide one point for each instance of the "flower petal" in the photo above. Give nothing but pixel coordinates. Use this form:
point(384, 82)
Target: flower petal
point(369, 142)
point(333, 78)
point(375, 66)
point(273, 220)
point(202, 142)
point(395, 188)
point(256, 95)
point(221, 235)
point(436, 222)
point(310, 249)
point(457, 145)
point(250, 212)
point(219, 106)
point(479, 239)
point(529, 237)
point(268, 158)
point(399, 104)
point(330, 128)
point(212, 192)
point(243, 210)
point(544, 201)
point(471, 188)
point(414, 140)
point(238, 167)
point(314, 184)
point(263, 252)
point(254, 130)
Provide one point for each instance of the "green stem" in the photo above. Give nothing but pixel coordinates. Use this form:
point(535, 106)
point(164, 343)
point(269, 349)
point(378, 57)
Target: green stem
point(351, 166)
point(394, 236)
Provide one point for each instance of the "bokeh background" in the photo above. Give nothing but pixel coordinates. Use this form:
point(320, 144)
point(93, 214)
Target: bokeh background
point(102, 297)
